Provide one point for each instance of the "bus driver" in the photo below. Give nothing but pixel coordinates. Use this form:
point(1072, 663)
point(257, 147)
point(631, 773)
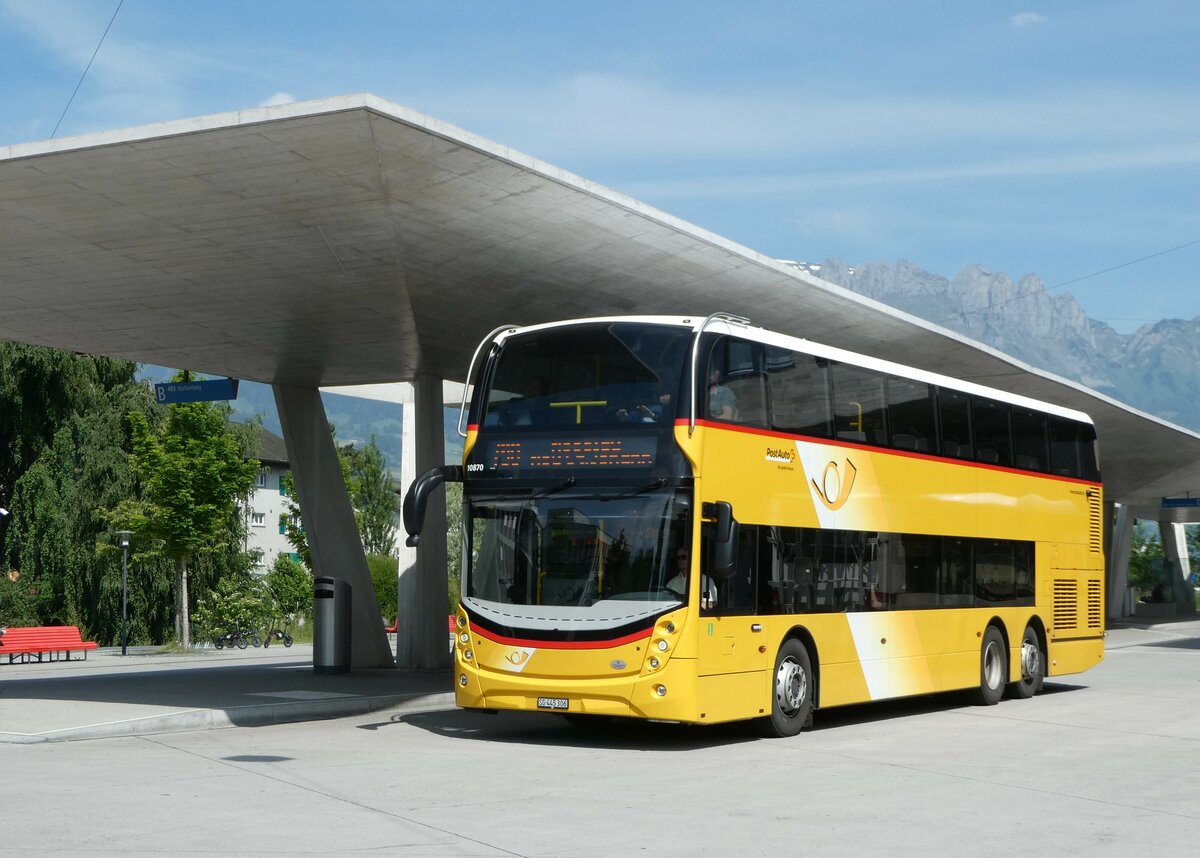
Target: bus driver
point(679, 584)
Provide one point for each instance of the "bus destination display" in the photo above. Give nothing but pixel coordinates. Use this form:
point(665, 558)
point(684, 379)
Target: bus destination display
point(550, 453)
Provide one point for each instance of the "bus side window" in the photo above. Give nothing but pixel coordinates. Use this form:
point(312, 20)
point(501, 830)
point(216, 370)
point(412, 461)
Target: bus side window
point(735, 383)
point(911, 415)
point(954, 416)
point(993, 437)
point(799, 387)
point(858, 405)
point(957, 580)
point(1029, 439)
point(739, 594)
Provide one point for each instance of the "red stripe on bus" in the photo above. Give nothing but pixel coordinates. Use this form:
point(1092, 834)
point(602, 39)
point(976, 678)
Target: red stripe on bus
point(907, 454)
point(538, 644)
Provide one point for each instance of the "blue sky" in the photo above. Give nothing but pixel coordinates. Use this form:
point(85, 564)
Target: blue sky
point(1048, 138)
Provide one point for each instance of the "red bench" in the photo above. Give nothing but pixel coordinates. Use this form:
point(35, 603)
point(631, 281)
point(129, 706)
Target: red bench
point(52, 643)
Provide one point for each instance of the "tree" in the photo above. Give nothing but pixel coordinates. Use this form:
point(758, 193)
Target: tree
point(1145, 547)
point(454, 541)
point(385, 578)
point(64, 460)
point(193, 471)
point(370, 488)
point(290, 587)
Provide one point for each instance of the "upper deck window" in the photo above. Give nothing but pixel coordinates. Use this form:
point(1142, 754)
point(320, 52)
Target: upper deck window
point(588, 375)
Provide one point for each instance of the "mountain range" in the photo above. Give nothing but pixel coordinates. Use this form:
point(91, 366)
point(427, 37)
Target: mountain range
point(1155, 369)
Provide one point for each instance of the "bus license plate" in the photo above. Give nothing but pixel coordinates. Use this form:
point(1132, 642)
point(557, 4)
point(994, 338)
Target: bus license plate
point(553, 703)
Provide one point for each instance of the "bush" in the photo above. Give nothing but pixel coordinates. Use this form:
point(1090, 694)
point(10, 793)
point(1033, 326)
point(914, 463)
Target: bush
point(384, 572)
point(235, 604)
point(289, 588)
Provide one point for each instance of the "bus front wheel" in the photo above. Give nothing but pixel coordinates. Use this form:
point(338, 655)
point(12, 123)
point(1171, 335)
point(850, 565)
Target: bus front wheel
point(993, 668)
point(1033, 667)
point(791, 691)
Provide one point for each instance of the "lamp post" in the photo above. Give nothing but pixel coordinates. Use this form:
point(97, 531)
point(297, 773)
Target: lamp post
point(123, 541)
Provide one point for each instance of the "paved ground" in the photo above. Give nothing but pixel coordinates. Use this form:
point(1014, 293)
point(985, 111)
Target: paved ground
point(147, 693)
point(1106, 763)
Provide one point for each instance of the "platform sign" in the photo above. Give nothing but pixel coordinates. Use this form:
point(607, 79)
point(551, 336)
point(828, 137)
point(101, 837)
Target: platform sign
point(207, 390)
point(1179, 503)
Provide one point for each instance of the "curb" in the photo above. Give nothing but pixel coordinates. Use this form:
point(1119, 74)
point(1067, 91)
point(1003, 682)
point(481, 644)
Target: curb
point(259, 715)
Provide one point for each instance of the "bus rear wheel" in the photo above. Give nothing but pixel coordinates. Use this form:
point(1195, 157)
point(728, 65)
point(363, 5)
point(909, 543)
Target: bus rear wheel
point(1033, 667)
point(993, 668)
point(791, 691)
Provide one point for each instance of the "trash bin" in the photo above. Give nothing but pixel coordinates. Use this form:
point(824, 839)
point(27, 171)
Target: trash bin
point(331, 625)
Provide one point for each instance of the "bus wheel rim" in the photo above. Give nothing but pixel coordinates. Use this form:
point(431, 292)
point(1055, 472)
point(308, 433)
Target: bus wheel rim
point(1030, 660)
point(992, 665)
point(791, 686)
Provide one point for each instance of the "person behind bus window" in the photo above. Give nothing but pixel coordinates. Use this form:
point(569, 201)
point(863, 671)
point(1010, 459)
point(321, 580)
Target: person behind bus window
point(721, 401)
point(679, 584)
point(655, 411)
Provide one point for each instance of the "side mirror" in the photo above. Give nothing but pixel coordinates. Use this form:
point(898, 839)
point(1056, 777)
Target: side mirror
point(726, 539)
point(417, 498)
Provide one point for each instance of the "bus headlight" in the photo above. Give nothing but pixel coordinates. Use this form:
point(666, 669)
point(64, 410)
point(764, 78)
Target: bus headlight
point(462, 680)
point(464, 638)
point(468, 655)
point(660, 690)
point(653, 662)
point(662, 645)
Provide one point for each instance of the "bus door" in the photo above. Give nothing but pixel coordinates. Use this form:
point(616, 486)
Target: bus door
point(731, 630)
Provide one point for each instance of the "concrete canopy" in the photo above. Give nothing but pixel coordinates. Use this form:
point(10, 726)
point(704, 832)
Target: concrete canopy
point(350, 240)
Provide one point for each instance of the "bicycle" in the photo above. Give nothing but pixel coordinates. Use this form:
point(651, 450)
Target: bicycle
point(276, 634)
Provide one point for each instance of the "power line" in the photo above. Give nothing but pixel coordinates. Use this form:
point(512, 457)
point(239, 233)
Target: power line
point(120, 3)
point(964, 313)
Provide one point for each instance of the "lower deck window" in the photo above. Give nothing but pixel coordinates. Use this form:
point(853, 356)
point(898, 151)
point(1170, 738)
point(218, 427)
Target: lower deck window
point(807, 570)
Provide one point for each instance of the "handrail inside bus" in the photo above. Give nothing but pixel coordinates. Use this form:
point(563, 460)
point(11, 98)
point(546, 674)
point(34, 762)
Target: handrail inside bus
point(462, 409)
point(724, 317)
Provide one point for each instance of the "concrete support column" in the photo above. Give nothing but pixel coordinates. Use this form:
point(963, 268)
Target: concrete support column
point(422, 636)
point(1118, 539)
point(1174, 540)
point(328, 518)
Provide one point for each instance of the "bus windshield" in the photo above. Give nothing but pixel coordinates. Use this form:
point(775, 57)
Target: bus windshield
point(603, 373)
point(540, 562)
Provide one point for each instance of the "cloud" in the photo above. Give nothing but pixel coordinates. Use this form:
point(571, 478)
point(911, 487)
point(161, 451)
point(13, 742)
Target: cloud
point(1027, 19)
point(1019, 166)
point(278, 99)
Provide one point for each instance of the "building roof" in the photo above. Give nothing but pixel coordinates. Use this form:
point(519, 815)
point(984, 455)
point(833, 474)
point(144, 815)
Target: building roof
point(271, 449)
point(350, 241)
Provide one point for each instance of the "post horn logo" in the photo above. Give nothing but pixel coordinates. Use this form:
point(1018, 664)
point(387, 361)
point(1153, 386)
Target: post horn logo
point(834, 488)
point(518, 657)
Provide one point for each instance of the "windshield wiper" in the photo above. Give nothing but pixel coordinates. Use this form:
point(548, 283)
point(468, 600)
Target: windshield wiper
point(565, 484)
point(649, 487)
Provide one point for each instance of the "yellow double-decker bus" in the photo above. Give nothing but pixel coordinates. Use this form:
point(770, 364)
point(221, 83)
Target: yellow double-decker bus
point(698, 520)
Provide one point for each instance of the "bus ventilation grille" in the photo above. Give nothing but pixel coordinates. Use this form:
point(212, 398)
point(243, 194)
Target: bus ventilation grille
point(1066, 604)
point(1095, 531)
point(1095, 609)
